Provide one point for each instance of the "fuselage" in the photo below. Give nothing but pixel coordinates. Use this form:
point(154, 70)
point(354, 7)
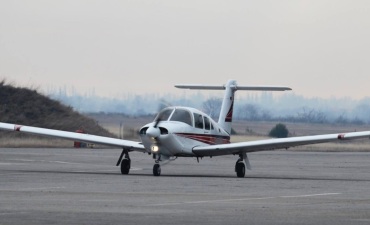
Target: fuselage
point(177, 130)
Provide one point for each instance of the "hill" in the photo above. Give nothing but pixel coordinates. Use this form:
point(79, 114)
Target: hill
point(25, 106)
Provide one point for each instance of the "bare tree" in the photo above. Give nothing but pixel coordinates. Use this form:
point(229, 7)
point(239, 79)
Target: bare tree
point(249, 112)
point(212, 107)
point(308, 115)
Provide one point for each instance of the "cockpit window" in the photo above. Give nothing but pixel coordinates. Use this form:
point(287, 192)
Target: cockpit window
point(207, 124)
point(164, 114)
point(182, 115)
point(198, 121)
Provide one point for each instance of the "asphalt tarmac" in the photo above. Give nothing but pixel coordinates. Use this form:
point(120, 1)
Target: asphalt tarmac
point(83, 186)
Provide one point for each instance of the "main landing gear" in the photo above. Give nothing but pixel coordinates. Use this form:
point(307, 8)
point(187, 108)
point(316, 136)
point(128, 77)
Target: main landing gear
point(240, 168)
point(240, 165)
point(125, 162)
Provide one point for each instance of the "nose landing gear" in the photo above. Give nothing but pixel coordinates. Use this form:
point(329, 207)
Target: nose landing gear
point(163, 160)
point(157, 169)
point(157, 166)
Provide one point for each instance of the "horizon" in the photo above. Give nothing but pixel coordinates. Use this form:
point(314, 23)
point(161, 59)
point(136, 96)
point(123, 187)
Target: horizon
point(255, 106)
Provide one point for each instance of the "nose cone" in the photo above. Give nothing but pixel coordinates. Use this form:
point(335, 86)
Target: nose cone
point(153, 132)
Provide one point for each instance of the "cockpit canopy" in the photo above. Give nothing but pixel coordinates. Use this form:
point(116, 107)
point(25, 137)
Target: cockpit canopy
point(193, 119)
point(175, 114)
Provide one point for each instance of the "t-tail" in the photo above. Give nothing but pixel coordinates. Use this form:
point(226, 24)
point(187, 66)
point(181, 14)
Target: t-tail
point(226, 114)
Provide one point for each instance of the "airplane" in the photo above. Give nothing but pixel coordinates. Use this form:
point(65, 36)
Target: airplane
point(187, 132)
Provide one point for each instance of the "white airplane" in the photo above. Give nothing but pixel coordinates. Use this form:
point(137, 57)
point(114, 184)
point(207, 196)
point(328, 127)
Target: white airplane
point(188, 132)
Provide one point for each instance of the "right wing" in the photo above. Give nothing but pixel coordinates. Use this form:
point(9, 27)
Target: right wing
point(271, 144)
point(131, 145)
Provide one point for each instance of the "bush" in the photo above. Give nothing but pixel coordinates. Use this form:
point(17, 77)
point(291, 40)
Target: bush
point(279, 131)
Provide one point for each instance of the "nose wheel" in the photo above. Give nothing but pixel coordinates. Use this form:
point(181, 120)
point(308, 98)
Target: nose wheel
point(157, 170)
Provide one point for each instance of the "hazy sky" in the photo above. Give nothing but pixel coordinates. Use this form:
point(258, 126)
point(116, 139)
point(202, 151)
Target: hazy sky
point(319, 48)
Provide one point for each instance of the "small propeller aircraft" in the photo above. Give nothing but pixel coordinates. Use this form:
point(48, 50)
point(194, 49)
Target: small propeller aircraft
point(188, 132)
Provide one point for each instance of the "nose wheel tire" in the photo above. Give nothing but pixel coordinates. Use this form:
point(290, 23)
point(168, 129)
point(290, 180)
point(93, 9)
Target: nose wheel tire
point(125, 166)
point(157, 170)
point(240, 169)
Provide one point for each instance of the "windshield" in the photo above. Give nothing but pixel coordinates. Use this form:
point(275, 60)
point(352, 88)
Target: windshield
point(164, 115)
point(182, 115)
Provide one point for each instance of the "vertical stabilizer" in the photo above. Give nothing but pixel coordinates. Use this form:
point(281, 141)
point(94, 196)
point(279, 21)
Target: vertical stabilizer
point(226, 114)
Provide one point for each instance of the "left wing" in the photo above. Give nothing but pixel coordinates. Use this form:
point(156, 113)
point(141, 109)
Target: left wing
point(132, 145)
point(271, 144)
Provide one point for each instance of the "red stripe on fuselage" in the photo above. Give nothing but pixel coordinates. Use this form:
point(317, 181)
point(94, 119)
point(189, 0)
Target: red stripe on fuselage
point(229, 116)
point(207, 138)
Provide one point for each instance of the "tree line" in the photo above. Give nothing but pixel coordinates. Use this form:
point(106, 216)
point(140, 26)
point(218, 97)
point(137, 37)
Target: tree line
point(253, 107)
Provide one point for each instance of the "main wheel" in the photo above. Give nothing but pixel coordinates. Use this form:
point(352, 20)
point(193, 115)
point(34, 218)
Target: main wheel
point(240, 169)
point(125, 166)
point(156, 170)
point(239, 160)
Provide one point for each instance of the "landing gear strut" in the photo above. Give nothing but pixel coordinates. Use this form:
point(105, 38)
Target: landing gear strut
point(125, 162)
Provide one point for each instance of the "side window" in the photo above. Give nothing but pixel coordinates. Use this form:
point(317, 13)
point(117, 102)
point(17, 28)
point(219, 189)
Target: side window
point(207, 124)
point(198, 121)
point(212, 127)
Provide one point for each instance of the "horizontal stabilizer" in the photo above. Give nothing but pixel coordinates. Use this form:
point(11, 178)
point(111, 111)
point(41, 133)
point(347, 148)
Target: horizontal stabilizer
point(263, 88)
point(200, 87)
point(234, 87)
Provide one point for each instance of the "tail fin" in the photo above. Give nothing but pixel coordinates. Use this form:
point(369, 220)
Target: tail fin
point(226, 114)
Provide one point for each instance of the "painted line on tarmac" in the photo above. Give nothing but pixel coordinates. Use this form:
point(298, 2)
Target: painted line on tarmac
point(32, 189)
point(63, 162)
point(244, 199)
point(136, 168)
point(48, 161)
point(11, 213)
point(85, 171)
point(7, 164)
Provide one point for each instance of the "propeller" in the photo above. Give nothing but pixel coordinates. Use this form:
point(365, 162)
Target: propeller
point(162, 105)
point(154, 131)
point(157, 120)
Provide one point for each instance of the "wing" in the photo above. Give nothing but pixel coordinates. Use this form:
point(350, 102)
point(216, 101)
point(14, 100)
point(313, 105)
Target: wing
point(132, 145)
point(271, 144)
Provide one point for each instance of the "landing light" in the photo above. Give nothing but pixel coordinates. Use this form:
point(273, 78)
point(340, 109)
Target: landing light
point(155, 148)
